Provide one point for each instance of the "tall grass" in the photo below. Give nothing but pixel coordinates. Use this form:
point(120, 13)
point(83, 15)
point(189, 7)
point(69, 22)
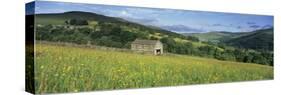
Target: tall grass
point(73, 69)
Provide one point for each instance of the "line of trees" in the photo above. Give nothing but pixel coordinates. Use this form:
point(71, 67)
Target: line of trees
point(220, 53)
point(76, 22)
point(116, 38)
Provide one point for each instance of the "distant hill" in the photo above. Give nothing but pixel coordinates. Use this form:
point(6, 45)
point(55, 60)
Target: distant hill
point(217, 36)
point(181, 28)
point(102, 23)
point(60, 18)
point(258, 40)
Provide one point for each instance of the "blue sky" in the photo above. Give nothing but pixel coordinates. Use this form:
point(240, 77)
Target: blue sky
point(173, 20)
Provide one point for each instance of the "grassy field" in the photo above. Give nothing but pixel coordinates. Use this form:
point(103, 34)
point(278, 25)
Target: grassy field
point(73, 69)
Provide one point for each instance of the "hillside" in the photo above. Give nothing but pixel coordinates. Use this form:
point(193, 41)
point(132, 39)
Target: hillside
point(258, 40)
point(99, 24)
point(60, 18)
point(216, 37)
point(94, 19)
point(72, 69)
point(95, 29)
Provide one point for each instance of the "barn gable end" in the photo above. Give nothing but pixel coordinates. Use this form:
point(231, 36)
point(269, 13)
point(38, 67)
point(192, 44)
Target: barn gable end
point(147, 46)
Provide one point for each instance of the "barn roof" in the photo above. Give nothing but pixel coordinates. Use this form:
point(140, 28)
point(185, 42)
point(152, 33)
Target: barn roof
point(141, 41)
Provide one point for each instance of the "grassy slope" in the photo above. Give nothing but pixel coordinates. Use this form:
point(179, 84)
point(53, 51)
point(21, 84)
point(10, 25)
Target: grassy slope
point(216, 36)
point(260, 39)
point(72, 69)
point(60, 18)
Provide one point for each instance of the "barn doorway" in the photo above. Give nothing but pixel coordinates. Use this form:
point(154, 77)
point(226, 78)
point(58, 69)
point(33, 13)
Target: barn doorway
point(158, 51)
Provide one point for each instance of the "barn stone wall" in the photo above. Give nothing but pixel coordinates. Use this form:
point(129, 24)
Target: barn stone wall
point(148, 48)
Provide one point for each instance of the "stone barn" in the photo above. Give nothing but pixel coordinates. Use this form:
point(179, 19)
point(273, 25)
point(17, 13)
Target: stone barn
point(147, 46)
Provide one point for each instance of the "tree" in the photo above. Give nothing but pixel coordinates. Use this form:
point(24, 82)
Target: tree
point(192, 38)
point(153, 38)
point(259, 59)
point(169, 44)
point(66, 22)
point(78, 22)
point(239, 55)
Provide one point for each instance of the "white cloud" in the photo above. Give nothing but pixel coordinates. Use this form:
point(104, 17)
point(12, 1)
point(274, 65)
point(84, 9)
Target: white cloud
point(124, 13)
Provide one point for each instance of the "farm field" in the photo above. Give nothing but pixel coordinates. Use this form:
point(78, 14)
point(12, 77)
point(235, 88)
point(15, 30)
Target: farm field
point(73, 69)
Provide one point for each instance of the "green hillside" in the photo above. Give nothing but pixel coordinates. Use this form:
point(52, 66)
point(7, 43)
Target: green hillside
point(257, 40)
point(94, 29)
point(216, 37)
point(94, 19)
point(256, 43)
point(101, 28)
point(60, 18)
point(71, 69)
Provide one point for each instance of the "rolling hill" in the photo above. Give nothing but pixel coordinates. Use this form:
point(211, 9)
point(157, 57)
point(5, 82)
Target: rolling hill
point(216, 37)
point(258, 40)
point(98, 21)
point(60, 18)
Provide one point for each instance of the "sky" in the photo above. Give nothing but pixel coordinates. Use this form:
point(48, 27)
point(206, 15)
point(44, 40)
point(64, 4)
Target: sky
point(170, 19)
